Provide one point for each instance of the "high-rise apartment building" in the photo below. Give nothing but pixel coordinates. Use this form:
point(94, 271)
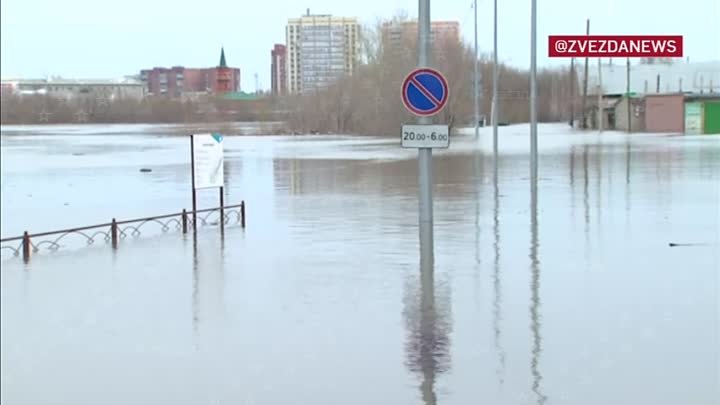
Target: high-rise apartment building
point(320, 49)
point(278, 70)
point(402, 35)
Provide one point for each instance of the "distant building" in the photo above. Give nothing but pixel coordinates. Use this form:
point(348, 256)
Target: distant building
point(163, 81)
point(702, 114)
point(657, 61)
point(7, 87)
point(278, 69)
point(225, 78)
point(665, 113)
point(320, 49)
point(69, 89)
point(661, 113)
point(632, 117)
point(403, 35)
point(179, 81)
point(655, 78)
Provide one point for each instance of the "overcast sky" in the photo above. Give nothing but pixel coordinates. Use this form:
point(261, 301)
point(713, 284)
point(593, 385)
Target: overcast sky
point(96, 39)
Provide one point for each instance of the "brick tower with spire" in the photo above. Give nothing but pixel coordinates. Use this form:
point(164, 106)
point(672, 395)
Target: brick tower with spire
point(223, 76)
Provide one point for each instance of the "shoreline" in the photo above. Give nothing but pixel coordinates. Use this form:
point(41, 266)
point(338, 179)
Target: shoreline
point(241, 128)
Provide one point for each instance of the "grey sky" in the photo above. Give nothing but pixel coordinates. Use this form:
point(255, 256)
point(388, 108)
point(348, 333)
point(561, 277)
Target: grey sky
point(97, 39)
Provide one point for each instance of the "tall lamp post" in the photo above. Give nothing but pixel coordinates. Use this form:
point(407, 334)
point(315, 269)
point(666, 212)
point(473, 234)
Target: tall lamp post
point(533, 89)
point(476, 77)
point(496, 79)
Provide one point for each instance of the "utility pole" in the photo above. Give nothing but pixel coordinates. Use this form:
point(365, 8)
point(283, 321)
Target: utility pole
point(496, 72)
point(476, 79)
point(585, 83)
point(533, 91)
point(629, 114)
point(601, 108)
point(572, 92)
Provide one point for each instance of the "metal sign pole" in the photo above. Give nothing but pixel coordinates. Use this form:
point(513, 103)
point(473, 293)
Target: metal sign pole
point(192, 174)
point(222, 208)
point(425, 93)
point(425, 154)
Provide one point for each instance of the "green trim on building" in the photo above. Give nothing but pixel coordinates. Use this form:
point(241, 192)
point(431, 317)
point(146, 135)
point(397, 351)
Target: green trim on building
point(240, 96)
point(712, 117)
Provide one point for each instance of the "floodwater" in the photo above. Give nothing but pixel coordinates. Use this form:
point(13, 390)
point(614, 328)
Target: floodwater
point(571, 295)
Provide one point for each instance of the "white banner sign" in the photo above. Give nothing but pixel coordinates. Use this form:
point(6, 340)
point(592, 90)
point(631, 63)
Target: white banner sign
point(208, 158)
point(425, 136)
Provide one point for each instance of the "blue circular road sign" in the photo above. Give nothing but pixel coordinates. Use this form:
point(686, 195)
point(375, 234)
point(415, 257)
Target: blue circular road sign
point(424, 92)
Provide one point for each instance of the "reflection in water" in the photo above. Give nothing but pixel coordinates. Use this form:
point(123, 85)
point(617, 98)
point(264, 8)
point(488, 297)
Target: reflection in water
point(393, 177)
point(479, 177)
point(586, 196)
point(572, 183)
point(207, 287)
point(535, 296)
point(572, 167)
point(195, 290)
point(228, 172)
point(598, 191)
point(428, 325)
point(497, 316)
point(627, 182)
point(627, 161)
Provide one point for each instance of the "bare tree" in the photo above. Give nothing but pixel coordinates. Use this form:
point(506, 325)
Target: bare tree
point(368, 101)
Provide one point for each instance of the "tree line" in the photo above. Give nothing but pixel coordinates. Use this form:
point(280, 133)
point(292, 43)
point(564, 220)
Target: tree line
point(368, 101)
point(45, 109)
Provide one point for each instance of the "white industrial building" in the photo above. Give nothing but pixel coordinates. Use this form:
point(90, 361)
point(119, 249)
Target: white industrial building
point(677, 77)
point(69, 89)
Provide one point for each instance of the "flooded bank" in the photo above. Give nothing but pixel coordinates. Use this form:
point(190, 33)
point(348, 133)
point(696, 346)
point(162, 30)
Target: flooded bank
point(571, 295)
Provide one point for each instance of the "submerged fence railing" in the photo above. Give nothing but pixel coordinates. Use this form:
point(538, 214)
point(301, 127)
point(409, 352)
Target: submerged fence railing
point(114, 231)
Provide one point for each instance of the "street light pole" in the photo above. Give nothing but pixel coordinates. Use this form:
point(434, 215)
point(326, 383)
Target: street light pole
point(496, 79)
point(475, 76)
point(533, 91)
point(601, 108)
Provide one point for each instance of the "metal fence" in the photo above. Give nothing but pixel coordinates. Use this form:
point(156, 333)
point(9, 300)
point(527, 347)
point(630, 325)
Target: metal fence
point(114, 231)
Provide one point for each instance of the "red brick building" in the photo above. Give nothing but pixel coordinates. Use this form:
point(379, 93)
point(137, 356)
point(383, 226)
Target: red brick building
point(225, 79)
point(7, 88)
point(173, 82)
point(278, 71)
